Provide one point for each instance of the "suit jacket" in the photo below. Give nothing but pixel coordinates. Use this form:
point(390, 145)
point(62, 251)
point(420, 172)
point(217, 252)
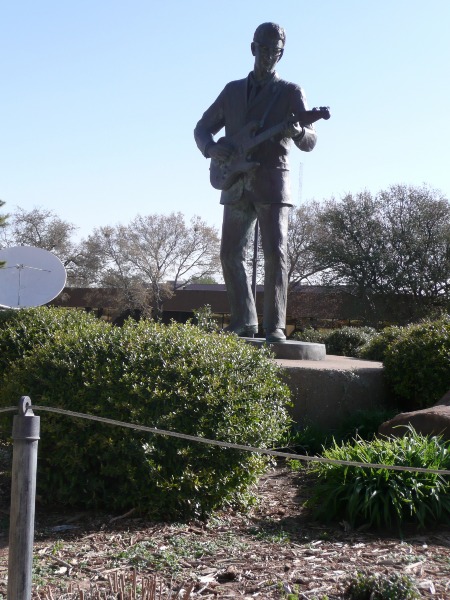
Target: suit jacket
point(278, 100)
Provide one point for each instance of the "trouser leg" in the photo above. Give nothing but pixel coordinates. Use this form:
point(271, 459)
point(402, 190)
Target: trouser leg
point(237, 229)
point(273, 223)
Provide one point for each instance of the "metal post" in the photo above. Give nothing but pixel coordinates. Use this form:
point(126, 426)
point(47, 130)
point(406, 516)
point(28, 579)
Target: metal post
point(25, 436)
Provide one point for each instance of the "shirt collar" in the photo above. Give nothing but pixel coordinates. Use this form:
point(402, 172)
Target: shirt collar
point(262, 83)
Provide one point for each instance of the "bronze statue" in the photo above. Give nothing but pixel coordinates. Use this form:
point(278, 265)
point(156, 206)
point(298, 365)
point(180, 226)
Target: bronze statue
point(261, 114)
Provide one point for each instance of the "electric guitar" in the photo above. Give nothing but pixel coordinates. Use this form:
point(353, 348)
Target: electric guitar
point(223, 173)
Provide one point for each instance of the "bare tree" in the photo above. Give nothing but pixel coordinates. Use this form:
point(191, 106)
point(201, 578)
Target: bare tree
point(44, 229)
point(40, 228)
point(303, 234)
point(152, 257)
point(163, 248)
point(104, 264)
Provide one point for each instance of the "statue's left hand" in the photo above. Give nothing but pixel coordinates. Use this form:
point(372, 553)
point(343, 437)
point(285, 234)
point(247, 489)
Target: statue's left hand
point(293, 130)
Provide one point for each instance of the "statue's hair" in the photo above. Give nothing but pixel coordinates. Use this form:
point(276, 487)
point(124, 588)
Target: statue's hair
point(270, 30)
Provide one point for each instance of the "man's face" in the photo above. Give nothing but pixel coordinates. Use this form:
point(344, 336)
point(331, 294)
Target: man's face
point(267, 53)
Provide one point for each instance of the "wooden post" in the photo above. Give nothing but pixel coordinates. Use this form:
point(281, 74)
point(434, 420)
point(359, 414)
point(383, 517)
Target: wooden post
point(25, 436)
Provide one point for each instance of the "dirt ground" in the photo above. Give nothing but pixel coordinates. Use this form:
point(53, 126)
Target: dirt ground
point(271, 552)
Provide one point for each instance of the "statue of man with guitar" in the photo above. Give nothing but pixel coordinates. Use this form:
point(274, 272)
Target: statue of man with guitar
point(262, 114)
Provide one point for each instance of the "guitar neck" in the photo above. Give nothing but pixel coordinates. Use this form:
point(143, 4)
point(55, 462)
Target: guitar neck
point(258, 139)
point(304, 118)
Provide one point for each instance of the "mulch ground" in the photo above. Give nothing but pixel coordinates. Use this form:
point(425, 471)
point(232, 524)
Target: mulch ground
point(273, 551)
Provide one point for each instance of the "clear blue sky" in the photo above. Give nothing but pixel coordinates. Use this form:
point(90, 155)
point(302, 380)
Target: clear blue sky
point(99, 99)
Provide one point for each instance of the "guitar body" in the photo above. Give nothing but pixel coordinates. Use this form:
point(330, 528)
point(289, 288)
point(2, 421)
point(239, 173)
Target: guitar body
point(222, 174)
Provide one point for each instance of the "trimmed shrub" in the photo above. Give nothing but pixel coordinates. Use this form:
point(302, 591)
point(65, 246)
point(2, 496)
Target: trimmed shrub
point(310, 335)
point(376, 347)
point(380, 497)
point(417, 364)
point(175, 378)
point(21, 331)
point(347, 341)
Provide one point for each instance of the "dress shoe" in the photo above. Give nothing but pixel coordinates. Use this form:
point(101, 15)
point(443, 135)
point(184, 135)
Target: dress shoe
point(276, 335)
point(242, 330)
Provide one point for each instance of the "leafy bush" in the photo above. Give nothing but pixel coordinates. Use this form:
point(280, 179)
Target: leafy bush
point(22, 330)
point(173, 377)
point(376, 347)
point(204, 319)
point(417, 364)
point(310, 335)
point(347, 341)
point(380, 497)
point(395, 586)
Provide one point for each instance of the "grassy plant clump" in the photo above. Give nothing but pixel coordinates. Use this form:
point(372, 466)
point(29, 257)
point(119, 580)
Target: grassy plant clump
point(395, 586)
point(417, 365)
point(176, 378)
point(382, 497)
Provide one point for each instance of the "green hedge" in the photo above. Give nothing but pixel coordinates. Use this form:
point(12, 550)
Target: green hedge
point(416, 360)
point(309, 334)
point(345, 341)
point(376, 347)
point(417, 364)
point(21, 331)
point(173, 377)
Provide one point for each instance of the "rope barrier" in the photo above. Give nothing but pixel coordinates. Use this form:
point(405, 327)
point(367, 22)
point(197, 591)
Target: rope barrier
point(269, 452)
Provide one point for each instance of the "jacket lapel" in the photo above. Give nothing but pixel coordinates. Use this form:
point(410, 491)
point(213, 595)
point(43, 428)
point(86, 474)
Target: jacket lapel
point(264, 97)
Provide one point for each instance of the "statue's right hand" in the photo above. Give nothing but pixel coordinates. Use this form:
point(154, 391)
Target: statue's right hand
point(220, 150)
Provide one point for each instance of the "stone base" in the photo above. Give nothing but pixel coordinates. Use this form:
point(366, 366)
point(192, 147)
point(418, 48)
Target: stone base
point(326, 392)
point(292, 350)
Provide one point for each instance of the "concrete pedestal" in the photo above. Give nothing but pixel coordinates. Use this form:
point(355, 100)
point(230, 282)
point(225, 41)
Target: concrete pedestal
point(292, 350)
point(326, 392)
